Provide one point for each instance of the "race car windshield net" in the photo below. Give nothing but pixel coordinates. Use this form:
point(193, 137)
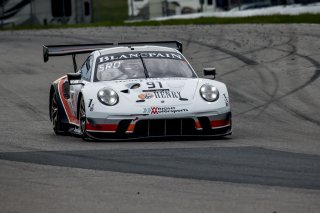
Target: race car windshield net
point(130, 66)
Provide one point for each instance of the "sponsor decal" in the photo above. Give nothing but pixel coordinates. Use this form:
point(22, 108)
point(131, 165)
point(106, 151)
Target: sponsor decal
point(92, 107)
point(157, 88)
point(161, 94)
point(163, 110)
point(125, 56)
point(167, 94)
point(144, 96)
point(109, 65)
point(90, 102)
point(146, 110)
point(154, 110)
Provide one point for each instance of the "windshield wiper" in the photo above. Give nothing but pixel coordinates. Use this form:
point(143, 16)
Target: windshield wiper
point(144, 66)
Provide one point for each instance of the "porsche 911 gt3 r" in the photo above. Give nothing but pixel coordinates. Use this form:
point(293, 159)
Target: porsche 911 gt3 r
point(133, 90)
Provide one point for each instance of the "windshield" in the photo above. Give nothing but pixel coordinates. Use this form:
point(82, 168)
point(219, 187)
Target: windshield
point(131, 66)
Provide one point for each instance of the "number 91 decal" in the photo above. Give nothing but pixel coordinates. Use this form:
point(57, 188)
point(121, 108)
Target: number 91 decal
point(153, 85)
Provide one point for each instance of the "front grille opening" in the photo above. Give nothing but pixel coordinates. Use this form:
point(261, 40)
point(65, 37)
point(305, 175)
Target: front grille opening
point(188, 127)
point(123, 126)
point(174, 127)
point(141, 128)
point(157, 127)
point(165, 127)
point(206, 124)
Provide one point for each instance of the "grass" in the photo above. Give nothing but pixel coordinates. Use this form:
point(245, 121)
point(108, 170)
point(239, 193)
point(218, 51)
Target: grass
point(273, 19)
point(116, 10)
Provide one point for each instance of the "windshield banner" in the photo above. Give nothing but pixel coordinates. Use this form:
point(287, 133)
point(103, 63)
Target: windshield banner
point(136, 55)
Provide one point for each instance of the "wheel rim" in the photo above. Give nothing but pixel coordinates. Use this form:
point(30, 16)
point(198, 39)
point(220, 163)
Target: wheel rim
point(54, 112)
point(82, 117)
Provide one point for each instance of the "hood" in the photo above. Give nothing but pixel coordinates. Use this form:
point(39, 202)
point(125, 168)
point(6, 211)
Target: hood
point(153, 92)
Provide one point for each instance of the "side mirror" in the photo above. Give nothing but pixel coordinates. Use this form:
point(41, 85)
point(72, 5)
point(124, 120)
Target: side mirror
point(210, 71)
point(74, 77)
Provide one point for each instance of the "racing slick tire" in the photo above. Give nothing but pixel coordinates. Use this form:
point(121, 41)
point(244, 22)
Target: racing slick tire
point(83, 119)
point(58, 127)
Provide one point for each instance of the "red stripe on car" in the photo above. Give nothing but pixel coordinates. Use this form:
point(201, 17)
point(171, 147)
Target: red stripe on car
point(101, 127)
point(220, 123)
point(71, 117)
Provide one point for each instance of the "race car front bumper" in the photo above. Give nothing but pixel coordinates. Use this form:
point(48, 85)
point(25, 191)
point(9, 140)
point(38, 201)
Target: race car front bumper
point(209, 125)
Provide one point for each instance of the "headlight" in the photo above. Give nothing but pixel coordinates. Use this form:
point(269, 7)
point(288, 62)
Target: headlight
point(108, 96)
point(209, 92)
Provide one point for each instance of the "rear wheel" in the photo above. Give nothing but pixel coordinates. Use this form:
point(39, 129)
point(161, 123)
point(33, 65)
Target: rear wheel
point(58, 127)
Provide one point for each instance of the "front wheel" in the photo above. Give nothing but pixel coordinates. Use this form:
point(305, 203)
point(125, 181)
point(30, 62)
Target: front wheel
point(83, 119)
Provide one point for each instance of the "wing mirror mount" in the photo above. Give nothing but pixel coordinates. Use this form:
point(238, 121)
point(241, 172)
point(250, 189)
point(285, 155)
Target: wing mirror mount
point(210, 71)
point(74, 78)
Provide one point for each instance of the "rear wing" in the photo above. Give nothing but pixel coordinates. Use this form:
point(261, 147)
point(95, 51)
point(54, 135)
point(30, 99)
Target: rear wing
point(62, 50)
point(172, 44)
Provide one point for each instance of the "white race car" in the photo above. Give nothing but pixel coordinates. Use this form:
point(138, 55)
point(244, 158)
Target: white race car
point(136, 90)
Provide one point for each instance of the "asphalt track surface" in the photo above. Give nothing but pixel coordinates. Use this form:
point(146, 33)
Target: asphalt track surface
point(270, 164)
